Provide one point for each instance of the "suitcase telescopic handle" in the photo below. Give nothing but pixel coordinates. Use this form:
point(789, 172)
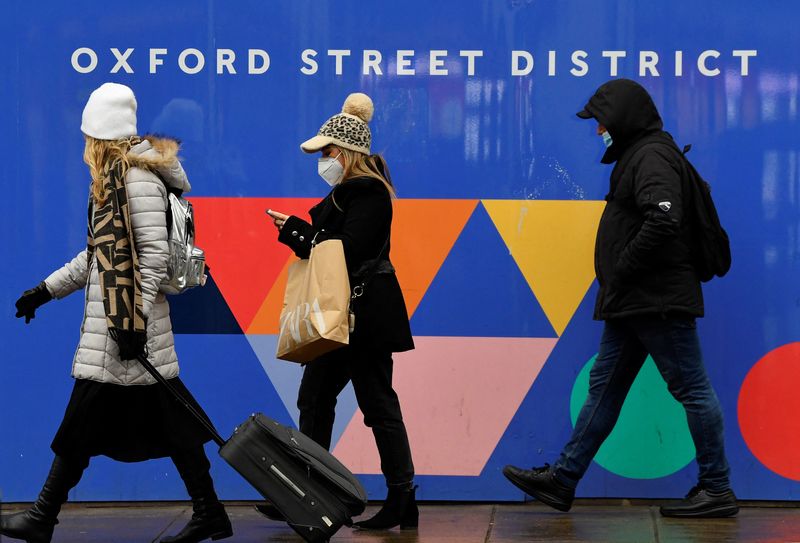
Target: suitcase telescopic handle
point(178, 396)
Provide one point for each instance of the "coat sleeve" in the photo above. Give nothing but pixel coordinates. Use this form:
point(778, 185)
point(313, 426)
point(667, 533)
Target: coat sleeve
point(658, 194)
point(70, 277)
point(368, 217)
point(147, 201)
point(297, 234)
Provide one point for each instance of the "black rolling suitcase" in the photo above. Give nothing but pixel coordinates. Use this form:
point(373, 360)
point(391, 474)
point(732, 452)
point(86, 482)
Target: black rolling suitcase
point(313, 490)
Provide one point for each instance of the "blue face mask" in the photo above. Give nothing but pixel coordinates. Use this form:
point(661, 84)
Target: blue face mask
point(607, 141)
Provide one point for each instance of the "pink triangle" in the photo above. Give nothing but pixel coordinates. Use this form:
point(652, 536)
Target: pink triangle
point(458, 395)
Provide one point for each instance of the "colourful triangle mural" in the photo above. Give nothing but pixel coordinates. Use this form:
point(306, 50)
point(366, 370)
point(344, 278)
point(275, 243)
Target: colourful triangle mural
point(453, 429)
point(511, 270)
point(553, 244)
point(242, 248)
point(423, 233)
point(417, 253)
point(480, 291)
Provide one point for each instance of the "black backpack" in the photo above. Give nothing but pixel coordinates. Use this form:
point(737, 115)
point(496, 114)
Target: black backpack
point(712, 247)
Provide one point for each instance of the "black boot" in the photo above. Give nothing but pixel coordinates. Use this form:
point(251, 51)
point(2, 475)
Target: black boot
point(542, 484)
point(702, 503)
point(209, 519)
point(399, 509)
point(37, 523)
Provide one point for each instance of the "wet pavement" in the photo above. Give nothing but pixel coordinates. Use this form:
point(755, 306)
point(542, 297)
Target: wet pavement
point(482, 523)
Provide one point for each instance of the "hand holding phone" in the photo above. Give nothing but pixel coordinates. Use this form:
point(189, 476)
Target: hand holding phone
point(279, 219)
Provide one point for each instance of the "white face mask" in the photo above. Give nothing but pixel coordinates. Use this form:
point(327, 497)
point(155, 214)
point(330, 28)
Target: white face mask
point(331, 170)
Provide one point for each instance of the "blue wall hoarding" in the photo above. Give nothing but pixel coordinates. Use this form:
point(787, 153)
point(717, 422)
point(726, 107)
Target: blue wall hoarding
point(500, 191)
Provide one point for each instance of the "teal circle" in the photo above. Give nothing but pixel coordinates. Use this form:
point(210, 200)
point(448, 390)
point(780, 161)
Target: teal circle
point(651, 438)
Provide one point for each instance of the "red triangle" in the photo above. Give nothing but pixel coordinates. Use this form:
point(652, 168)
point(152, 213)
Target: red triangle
point(242, 247)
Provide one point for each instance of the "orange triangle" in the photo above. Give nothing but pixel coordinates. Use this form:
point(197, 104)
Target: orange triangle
point(423, 232)
point(266, 320)
point(242, 247)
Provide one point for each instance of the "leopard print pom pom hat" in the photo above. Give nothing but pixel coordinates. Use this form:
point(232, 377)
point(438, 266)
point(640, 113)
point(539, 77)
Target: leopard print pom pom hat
point(348, 129)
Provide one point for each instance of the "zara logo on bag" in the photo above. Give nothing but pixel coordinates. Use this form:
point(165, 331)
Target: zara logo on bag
point(300, 320)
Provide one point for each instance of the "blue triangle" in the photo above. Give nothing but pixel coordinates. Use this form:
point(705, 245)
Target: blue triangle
point(202, 310)
point(286, 376)
point(480, 291)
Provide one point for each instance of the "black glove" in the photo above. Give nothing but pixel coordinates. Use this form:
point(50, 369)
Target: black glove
point(131, 344)
point(32, 299)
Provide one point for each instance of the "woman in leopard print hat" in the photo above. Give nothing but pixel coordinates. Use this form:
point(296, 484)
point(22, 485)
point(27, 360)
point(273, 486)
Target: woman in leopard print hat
point(358, 211)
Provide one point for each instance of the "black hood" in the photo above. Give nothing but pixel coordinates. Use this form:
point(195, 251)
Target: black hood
point(627, 111)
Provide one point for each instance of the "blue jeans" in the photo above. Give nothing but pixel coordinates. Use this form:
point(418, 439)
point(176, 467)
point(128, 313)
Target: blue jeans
point(675, 347)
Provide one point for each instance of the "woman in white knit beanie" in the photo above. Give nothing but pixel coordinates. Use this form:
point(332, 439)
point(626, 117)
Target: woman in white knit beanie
point(116, 408)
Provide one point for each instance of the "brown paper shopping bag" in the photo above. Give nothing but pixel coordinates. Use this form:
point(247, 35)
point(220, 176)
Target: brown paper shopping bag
point(315, 315)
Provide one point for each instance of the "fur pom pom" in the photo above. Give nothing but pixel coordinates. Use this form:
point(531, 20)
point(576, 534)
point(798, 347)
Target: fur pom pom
point(360, 105)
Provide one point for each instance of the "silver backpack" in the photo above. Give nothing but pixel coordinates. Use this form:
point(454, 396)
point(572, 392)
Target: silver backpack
point(187, 263)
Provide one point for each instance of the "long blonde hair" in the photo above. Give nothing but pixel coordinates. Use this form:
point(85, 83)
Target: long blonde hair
point(360, 165)
point(101, 155)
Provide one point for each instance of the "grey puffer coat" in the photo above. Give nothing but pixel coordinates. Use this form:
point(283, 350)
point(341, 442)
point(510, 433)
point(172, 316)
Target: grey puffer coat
point(97, 356)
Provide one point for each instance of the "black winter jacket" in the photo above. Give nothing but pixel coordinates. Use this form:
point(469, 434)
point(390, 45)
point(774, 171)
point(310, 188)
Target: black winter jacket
point(359, 213)
point(642, 253)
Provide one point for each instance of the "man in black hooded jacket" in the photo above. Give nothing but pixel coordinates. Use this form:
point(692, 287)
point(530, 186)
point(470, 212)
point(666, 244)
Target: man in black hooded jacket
point(649, 298)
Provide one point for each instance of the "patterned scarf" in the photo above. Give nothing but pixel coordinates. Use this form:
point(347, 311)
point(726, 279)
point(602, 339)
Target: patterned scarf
point(111, 239)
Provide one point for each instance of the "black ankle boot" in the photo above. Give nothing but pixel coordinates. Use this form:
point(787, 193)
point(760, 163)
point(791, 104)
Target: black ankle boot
point(208, 521)
point(37, 523)
point(399, 509)
point(28, 527)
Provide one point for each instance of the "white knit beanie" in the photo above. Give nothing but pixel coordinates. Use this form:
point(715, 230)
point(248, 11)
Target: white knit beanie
point(110, 113)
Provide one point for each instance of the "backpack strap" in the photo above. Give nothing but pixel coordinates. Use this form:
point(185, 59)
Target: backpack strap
point(170, 190)
point(660, 138)
point(687, 171)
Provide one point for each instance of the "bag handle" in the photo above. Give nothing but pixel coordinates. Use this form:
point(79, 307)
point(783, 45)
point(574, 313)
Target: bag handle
point(358, 290)
point(178, 396)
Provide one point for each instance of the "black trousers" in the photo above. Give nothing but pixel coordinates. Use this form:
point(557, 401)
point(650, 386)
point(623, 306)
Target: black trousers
point(371, 374)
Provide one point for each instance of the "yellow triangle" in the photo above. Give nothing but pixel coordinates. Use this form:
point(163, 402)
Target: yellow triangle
point(552, 242)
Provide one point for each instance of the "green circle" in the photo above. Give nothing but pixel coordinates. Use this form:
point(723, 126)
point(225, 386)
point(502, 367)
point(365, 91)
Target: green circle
point(651, 438)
